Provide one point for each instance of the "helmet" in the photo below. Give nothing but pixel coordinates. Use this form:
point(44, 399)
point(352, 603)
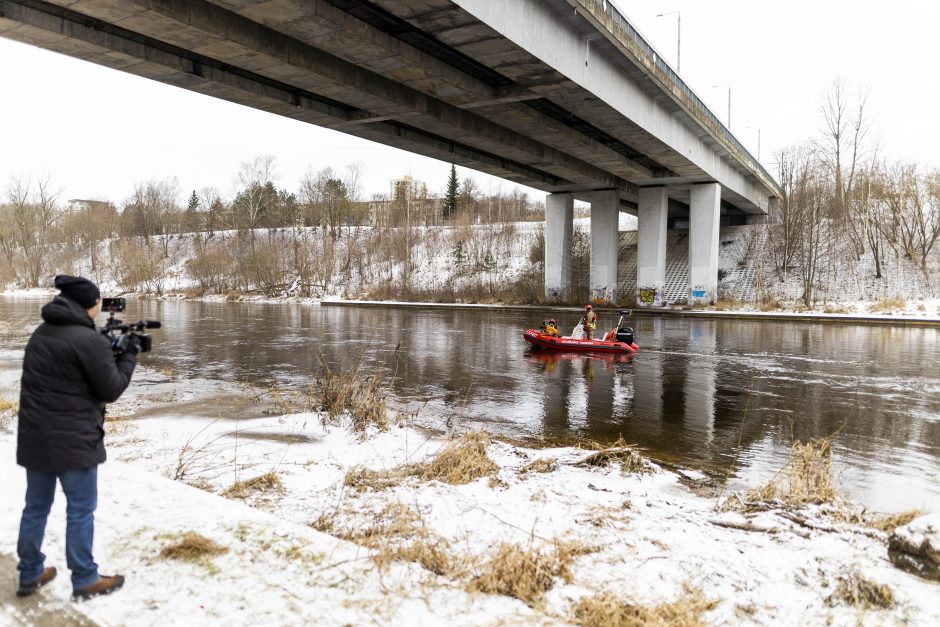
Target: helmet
point(551, 321)
point(588, 307)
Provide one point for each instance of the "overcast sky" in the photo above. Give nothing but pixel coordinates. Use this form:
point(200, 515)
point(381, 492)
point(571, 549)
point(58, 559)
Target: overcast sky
point(97, 131)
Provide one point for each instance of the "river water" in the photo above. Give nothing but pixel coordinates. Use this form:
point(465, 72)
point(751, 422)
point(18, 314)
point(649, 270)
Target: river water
point(700, 393)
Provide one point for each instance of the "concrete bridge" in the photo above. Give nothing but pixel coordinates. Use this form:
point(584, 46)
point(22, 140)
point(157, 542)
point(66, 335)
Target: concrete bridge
point(560, 95)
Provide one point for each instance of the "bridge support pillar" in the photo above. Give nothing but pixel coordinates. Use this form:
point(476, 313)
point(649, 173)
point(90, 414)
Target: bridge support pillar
point(559, 221)
point(605, 244)
point(651, 247)
point(704, 216)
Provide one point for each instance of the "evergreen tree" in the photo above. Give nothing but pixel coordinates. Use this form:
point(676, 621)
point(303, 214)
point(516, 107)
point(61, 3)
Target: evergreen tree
point(449, 203)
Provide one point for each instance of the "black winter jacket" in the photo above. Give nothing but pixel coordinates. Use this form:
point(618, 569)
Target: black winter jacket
point(69, 373)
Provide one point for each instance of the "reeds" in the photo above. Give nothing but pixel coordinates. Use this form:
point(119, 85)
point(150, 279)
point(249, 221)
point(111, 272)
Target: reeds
point(888, 304)
point(608, 610)
point(805, 479)
point(268, 482)
point(346, 392)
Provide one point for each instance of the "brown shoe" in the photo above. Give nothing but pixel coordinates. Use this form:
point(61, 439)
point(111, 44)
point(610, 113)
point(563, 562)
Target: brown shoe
point(104, 585)
point(27, 589)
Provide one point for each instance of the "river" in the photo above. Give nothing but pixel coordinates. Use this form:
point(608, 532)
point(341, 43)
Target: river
point(701, 393)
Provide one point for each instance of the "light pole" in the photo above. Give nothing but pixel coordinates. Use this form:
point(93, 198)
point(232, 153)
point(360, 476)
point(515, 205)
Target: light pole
point(678, 37)
point(729, 100)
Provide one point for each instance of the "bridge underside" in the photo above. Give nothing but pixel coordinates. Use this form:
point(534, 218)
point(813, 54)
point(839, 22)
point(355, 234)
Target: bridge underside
point(463, 81)
point(426, 76)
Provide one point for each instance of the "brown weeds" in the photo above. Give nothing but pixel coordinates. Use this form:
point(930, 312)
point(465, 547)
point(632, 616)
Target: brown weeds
point(546, 464)
point(887, 305)
point(396, 533)
point(8, 411)
point(608, 610)
point(806, 478)
point(630, 460)
point(268, 482)
point(342, 392)
point(856, 591)
point(889, 522)
point(460, 461)
point(527, 573)
point(191, 547)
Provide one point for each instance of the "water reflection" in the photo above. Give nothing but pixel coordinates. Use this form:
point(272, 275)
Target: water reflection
point(695, 390)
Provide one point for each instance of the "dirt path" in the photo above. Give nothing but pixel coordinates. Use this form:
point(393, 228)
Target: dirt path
point(39, 609)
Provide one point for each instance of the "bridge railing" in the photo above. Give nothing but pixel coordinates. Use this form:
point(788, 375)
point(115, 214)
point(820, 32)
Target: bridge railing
point(630, 31)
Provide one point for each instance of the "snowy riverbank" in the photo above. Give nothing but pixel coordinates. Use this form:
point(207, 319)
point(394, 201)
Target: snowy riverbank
point(365, 528)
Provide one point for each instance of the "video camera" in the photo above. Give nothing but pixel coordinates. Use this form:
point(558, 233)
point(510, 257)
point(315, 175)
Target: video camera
point(119, 333)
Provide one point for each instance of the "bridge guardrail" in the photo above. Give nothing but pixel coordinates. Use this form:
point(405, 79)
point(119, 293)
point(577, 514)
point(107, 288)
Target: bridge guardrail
point(618, 18)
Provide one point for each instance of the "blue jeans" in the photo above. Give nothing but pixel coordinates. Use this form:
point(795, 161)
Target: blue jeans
point(81, 496)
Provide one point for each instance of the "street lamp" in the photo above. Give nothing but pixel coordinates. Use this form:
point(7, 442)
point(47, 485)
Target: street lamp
point(678, 37)
point(729, 100)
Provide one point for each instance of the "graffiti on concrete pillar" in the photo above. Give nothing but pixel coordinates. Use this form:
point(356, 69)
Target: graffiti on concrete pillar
point(698, 293)
point(649, 296)
point(602, 295)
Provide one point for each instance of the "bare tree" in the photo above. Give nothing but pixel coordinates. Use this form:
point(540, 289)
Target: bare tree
point(27, 236)
point(151, 209)
point(842, 151)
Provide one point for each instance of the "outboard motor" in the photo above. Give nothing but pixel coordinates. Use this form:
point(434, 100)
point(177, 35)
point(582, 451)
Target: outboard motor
point(624, 334)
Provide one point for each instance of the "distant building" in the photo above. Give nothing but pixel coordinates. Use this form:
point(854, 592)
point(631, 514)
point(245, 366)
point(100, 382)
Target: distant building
point(78, 205)
point(408, 203)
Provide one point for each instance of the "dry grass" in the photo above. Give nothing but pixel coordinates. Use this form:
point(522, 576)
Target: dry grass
point(117, 424)
point(342, 392)
point(268, 482)
point(361, 479)
point(889, 522)
point(460, 461)
point(396, 533)
point(431, 552)
point(8, 411)
point(608, 610)
point(806, 478)
point(889, 304)
point(629, 458)
point(855, 590)
point(527, 573)
point(191, 547)
point(546, 464)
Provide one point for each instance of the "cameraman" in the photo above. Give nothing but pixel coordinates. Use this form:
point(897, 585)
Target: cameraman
point(69, 373)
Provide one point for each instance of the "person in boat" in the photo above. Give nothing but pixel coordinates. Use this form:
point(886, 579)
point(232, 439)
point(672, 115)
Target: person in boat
point(550, 328)
point(590, 321)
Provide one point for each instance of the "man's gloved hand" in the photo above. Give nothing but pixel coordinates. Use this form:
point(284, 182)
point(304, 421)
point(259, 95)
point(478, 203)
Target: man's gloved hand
point(133, 344)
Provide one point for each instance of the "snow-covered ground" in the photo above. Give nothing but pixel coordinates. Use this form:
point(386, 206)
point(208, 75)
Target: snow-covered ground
point(648, 538)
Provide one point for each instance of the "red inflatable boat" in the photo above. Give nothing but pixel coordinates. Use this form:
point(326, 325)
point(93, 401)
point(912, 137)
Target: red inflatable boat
point(541, 340)
point(617, 340)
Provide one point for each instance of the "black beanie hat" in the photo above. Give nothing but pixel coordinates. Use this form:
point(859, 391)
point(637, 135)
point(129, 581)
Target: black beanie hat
point(79, 289)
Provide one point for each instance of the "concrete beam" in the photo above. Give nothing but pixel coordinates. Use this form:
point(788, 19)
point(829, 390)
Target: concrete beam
point(537, 28)
point(605, 244)
point(240, 42)
point(651, 246)
point(559, 221)
point(704, 219)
